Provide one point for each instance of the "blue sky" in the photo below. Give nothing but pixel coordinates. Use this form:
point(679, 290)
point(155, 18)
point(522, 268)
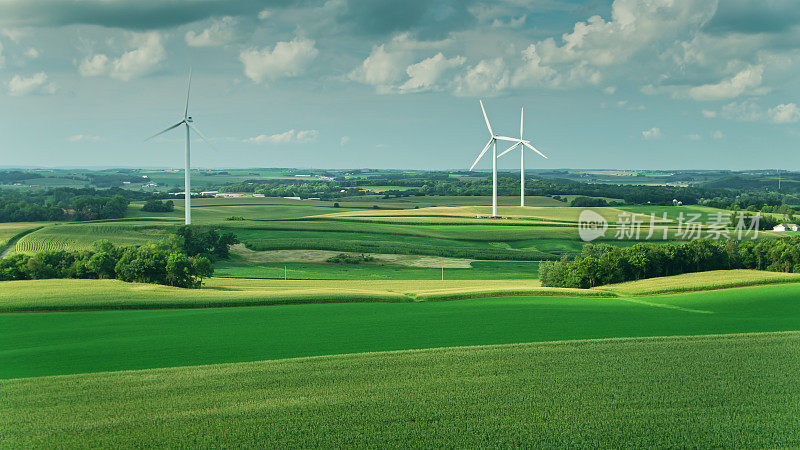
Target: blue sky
point(647, 84)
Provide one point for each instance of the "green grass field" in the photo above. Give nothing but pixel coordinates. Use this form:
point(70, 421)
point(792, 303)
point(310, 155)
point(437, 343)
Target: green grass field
point(661, 392)
point(481, 270)
point(50, 343)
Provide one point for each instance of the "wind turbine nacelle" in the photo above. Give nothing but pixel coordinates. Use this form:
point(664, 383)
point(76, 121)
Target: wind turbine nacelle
point(189, 119)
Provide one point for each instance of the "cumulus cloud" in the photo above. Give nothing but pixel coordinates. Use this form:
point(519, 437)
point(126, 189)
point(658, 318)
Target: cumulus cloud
point(381, 68)
point(142, 60)
point(596, 44)
point(784, 113)
point(31, 53)
point(264, 14)
point(34, 84)
point(749, 111)
point(718, 134)
point(286, 59)
point(287, 137)
point(425, 74)
point(732, 87)
point(488, 77)
point(652, 134)
point(222, 31)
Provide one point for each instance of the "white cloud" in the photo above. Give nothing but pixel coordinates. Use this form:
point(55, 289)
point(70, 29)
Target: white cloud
point(693, 137)
point(388, 64)
point(532, 72)
point(424, 75)
point(34, 84)
point(381, 68)
point(31, 53)
point(291, 136)
point(2, 58)
point(488, 77)
point(784, 113)
point(344, 140)
point(306, 136)
point(264, 14)
point(732, 87)
point(142, 60)
point(708, 114)
point(652, 133)
point(610, 90)
point(286, 59)
point(85, 138)
point(221, 32)
point(717, 134)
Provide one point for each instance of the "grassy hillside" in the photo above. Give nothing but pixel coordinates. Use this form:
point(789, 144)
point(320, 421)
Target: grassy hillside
point(75, 342)
point(659, 392)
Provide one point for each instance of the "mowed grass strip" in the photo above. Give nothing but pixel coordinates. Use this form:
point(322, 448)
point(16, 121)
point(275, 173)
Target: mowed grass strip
point(700, 281)
point(481, 270)
point(658, 392)
point(51, 343)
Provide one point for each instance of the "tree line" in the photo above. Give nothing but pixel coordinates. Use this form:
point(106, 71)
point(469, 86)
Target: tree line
point(183, 259)
point(600, 264)
point(60, 204)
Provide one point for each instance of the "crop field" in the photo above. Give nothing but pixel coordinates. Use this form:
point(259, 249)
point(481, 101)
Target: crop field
point(33, 344)
point(9, 230)
point(480, 270)
point(656, 392)
point(81, 236)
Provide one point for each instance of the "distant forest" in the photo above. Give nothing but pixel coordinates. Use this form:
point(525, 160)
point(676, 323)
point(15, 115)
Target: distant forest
point(60, 204)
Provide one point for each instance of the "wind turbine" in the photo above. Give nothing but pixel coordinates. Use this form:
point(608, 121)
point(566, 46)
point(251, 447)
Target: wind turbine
point(187, 120)
point(493, 143)
point(522, 142)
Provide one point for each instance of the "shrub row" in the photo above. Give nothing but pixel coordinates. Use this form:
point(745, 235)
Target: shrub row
point(601, 264)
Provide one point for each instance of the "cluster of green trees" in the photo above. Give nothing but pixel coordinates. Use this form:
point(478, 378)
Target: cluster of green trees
point(65, 204)
point(600, 264)
point(158, 263)
point(155, 205)
point(344, 258)
point(181, 260)
point(589, 202)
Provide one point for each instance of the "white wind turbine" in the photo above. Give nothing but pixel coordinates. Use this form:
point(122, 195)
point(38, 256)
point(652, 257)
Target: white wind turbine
point(493, 142)
point(523, 143)
point(187, 120)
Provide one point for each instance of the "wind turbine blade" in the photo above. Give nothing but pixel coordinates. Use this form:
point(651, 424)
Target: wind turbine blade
point(506, 138)
point(508, 149)
point(188, 89)
point(162, 132)
point(537, 151)
point(521, 121)
point(481, 155)
point(207, 141)
point(486, 118)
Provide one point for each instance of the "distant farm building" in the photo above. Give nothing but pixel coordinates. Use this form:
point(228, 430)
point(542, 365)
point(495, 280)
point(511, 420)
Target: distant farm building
point(786, 227)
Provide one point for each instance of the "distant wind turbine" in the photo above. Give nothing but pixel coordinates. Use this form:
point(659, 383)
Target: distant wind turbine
point(187, 120)
point(493, 143)
point(522, 144)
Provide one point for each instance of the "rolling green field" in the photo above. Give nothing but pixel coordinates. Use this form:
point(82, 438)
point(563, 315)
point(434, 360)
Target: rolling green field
point(658, 392)
point(51, 343)
point(481, 270)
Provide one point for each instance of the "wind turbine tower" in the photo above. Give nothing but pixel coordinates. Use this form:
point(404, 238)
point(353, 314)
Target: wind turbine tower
point(493, 143)
point(189, 123)
point(522, 143)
